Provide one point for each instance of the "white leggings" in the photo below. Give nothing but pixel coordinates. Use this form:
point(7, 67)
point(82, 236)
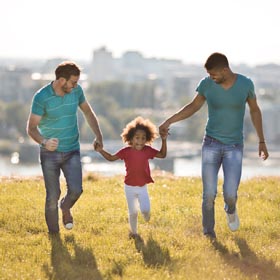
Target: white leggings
point(137, 196)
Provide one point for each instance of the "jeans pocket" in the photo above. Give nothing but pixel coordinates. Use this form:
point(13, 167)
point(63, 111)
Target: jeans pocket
point(206, 141)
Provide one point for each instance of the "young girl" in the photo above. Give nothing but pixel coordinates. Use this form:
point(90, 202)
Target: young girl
point(138, 134)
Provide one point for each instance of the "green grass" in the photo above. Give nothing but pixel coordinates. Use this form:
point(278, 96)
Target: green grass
point(174, 246)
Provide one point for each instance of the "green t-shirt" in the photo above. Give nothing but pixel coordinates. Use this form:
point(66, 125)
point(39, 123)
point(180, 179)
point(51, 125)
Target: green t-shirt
point(59, 116)
point(226, 108)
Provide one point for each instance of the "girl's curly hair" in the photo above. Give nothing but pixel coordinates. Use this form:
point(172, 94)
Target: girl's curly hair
point(139, 124)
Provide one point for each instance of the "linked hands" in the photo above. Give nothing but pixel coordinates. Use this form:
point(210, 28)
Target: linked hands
point(98, 147)
point(164, 134)
point(98, 144)
point(164, 130)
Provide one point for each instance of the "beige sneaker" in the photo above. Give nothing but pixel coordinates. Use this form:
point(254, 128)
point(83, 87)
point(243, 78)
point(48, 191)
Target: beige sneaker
point(233, 221)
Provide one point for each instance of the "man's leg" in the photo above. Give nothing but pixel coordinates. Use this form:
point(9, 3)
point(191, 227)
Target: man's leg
point(50, 163)
point(72, 170)
point(211, 162)
point(232, 167)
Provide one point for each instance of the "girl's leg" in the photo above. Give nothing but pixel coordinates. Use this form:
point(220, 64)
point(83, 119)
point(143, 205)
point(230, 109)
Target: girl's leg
point(144, 202)
point(131, 198)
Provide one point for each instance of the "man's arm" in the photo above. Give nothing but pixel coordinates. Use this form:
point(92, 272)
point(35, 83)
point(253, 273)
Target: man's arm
point(93, 122)
point(185, 112)
point(256, 117)
point(32, 130)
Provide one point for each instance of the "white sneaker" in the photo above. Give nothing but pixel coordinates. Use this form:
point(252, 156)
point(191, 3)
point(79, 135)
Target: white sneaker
point(233, 221)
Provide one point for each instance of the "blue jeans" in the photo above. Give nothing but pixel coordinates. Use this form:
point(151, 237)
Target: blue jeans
point(52, 163)
point(214, 155)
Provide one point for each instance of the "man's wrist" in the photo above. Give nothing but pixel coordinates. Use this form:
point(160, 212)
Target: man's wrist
point(44, 142)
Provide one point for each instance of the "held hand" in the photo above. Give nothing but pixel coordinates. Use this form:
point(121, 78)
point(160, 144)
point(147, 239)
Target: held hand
point(164, 134)
point(98, 145)
point(263, 153)
point(52, 144)
point(164, 128)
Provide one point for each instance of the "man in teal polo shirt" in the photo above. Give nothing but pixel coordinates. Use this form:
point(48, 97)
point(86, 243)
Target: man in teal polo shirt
point(52, 123)
point(226, 94)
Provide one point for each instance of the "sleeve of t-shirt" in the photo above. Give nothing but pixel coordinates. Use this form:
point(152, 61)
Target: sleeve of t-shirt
point(201, 87)
point(82, 97)
point(37, 107)
point(151, 152)
point(251, 91)
point(121, 153)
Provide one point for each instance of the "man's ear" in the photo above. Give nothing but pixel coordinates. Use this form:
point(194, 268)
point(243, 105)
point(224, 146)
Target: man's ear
point(62, 81)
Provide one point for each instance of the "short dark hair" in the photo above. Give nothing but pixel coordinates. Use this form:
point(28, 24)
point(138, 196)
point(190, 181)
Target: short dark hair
point(66, 69)
point(216, 60)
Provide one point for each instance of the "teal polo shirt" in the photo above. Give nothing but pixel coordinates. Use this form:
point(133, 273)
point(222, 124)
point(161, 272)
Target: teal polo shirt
point(59, 116)
point(226, 108)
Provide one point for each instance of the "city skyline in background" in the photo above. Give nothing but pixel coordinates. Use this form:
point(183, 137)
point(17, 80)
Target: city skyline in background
point(244, 30)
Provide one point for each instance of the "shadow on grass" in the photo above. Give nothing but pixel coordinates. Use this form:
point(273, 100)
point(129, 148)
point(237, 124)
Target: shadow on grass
point(248, 262)
point(153, 254)
point(80, 265)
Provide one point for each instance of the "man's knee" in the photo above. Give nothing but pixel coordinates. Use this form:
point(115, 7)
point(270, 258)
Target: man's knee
point(52, 203)
point(75, 193)
point(133, 215)
point(230, 200)
point(209, 200)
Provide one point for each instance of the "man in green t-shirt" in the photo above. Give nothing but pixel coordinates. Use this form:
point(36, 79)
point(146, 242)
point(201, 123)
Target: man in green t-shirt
point(226, 94)
point(52, 123)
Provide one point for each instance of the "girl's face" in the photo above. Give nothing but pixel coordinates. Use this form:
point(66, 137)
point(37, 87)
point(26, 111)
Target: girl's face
point(139, 140)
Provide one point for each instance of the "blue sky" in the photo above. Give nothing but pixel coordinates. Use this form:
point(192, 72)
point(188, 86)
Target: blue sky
point(245, 30)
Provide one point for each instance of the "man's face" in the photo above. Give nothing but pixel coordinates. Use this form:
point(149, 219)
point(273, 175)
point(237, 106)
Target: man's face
point(69, 84)
point(217, 75)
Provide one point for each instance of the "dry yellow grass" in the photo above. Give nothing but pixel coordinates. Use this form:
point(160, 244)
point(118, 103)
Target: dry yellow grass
point(174, 247)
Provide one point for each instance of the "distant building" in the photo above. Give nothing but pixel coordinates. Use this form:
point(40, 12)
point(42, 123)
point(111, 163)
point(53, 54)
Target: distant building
point(133, 67)
point(15, 84)
point(102, 67)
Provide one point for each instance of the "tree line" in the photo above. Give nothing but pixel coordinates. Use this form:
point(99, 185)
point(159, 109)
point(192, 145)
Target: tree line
point(116, 103)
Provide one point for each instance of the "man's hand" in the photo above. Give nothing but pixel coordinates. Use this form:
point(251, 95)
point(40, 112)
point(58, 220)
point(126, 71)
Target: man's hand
point(52, 144)
point(164, 129)
point(164, 134)
point(97, 147)
point(263, 153)
point(97, 144)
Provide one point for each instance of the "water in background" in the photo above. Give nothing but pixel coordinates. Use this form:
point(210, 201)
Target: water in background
point(181, 167)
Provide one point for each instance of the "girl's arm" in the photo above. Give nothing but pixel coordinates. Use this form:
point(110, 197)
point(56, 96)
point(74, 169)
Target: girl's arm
point(163, 151)
point(106, 154)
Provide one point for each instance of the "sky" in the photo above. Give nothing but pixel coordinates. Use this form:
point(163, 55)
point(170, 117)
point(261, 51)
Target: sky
point(189, 30)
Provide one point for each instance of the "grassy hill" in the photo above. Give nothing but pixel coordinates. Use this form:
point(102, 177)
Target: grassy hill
point(173, 245)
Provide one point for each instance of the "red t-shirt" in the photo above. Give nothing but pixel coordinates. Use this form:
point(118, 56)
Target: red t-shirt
point(137, 165)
